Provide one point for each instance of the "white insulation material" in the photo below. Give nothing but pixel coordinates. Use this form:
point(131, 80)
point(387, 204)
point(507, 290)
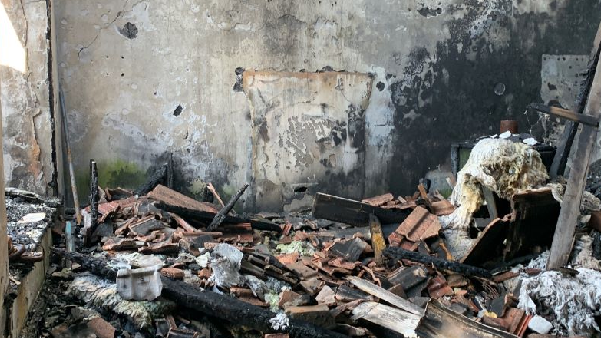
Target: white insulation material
point(573, 301)
point(503, 167)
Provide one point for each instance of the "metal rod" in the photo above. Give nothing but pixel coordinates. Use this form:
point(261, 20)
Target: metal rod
point(69, 160)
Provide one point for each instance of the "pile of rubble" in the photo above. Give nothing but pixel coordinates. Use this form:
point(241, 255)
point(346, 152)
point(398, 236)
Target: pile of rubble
point(383, 267)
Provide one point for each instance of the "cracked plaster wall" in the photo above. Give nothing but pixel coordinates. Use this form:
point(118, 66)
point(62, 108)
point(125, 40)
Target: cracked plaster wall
point(145, 77)
point(27, 117)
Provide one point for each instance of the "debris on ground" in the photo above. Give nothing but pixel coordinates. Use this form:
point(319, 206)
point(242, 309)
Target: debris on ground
point(158, 263)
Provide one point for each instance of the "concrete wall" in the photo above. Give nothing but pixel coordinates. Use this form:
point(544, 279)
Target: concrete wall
point(3, 242)
point(27, 100)
point(144, 78)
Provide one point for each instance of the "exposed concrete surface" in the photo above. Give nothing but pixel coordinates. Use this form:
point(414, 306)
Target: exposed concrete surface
point(3, 239)
point(313, 125)
point(27, 118)
point(152, 76)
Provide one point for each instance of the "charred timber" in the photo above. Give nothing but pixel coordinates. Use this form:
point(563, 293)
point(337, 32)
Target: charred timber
point(353, 212)
point(157, 177)
point(94, 196)
point(220, 217)
point(199, 219)
point(439, 263)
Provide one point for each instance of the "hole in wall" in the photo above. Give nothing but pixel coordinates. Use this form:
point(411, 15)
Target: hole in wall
point(178, 110)
point(300, 189)
point(129, 30)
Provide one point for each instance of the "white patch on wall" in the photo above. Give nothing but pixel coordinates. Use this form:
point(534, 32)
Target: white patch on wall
point(307, 128)
point(561, 80)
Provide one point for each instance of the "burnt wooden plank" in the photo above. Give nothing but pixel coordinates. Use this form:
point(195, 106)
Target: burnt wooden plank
point(565, 113)
point(441, 322)
point(385, 295)
point(377, 239)
point(220, 217)
point(353, 212)
point(199, 218)
point(463, 269)
point(570, 208)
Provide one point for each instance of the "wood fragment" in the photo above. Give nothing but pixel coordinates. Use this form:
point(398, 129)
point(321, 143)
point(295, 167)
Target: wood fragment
point(566, 114)
point(467, 270)
point(220, 217)
point(424, 194)
point(386, 295)
point(388, 317)
point(441, 322)
point(215, 194)
point(94, 198)
point(377, 239)
point(353, 212)
point(158, 177)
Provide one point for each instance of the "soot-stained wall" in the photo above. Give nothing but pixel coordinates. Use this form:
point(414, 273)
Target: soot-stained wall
point(352, 97)
point(27, 100)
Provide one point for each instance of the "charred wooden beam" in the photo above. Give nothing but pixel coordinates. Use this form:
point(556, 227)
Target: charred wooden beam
point(353, 212)
point(169, 174)
point(566, 114)
point(439, 263)
point(94, 199)
point(220, 217)
point(209, 303)
point(155, 179)
point(199, 219)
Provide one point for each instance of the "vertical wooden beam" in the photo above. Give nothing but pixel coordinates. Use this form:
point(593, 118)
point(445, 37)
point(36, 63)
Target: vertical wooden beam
point(563, 238)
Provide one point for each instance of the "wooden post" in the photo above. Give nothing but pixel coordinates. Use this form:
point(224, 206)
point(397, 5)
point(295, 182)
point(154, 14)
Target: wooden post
point(570, 207)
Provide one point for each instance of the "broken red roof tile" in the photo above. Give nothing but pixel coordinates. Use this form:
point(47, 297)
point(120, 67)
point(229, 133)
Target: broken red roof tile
point(174, 198)
point(418, 226)
point(442, 207)
point(173, 273)
point(287, 259)
point(378, 201)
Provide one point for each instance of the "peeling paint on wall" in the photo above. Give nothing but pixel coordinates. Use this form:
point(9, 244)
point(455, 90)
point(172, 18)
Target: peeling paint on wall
point(308, 131)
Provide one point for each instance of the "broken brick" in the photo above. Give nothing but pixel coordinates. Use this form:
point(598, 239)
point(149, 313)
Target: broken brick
point(288, 258)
